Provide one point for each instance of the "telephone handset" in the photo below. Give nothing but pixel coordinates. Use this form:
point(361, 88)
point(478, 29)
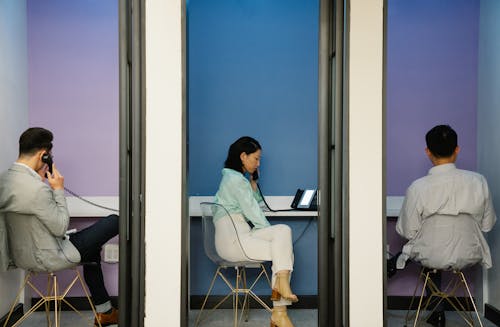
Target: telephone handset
point(305, 200)
point(47, 158)
point(255, 175)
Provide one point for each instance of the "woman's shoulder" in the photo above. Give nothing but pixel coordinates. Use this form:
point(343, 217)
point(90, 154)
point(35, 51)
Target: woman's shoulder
point(232, 176)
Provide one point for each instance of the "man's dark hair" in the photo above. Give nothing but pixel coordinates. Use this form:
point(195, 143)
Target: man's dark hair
point(243, 144)
point(441, 141)
point(34, 139)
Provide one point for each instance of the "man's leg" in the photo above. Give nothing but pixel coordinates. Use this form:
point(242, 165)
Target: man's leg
point(89, 242)
point(437, 318)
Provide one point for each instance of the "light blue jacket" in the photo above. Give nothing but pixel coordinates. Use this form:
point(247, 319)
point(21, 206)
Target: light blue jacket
point(237, 196)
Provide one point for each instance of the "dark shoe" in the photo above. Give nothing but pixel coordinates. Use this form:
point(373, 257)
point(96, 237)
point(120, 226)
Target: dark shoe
point(437, 319)
point(107, 318)
point(391, 265)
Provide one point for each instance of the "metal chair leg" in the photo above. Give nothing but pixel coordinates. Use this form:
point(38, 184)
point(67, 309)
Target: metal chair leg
point(462, 278)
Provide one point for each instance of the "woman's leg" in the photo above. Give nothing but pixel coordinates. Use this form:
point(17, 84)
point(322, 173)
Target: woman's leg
point(273, 243)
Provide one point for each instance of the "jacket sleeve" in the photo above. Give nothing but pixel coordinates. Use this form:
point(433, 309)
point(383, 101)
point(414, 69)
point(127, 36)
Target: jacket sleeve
point(410, 217)
point(489, 216)
point(51, 209)
point(4, 245)
point(248, 203)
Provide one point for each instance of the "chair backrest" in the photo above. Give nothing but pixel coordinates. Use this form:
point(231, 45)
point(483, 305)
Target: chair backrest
point(209, 210)
point(32, 246)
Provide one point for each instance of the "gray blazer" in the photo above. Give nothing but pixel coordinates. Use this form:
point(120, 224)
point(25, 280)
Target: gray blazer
point(33, 222)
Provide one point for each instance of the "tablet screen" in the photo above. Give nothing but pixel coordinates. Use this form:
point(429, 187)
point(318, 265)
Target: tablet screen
point(305, 200)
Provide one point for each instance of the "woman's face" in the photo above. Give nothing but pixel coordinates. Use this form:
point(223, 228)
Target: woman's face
point(250, 161)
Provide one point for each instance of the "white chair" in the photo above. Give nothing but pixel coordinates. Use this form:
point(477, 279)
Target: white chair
point(240, 285)
point(448, 293)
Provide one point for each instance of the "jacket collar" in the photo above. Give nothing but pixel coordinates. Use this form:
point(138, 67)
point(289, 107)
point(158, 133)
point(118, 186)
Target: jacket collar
point(439, 169)
point(22, 168)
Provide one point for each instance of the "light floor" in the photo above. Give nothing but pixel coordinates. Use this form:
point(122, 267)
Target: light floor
point(68, 318)
point(258, 318)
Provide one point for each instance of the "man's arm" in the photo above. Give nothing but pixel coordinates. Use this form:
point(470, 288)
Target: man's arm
point(410, 219)
point(489, 216)
point(51, 206)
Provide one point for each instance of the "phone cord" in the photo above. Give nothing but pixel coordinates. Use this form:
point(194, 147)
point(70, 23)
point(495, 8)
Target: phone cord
point(89, 202)
point(267, 205)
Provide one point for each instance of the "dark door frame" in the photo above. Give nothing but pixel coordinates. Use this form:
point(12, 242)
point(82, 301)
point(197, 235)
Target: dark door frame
point(333, 273)
point(132, 149)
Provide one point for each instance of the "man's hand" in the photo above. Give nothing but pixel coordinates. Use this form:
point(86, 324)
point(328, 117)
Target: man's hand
point(56, 180)
point(42, 172)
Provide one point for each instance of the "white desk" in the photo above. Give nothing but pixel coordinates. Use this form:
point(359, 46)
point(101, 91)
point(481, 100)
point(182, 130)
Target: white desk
point(275, 202)
point(78, 208)
point(393, 205)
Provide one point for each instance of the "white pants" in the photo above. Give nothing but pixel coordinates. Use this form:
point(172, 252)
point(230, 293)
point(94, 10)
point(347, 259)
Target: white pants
point(273, 243)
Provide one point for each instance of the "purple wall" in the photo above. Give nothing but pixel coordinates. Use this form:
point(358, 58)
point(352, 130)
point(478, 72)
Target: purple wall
point(432, 53)
point(432, 49)
point(73, 91)
point(73, 88)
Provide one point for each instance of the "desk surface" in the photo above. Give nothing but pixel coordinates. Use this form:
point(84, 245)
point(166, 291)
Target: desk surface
point(275, 202)
point(79, 208)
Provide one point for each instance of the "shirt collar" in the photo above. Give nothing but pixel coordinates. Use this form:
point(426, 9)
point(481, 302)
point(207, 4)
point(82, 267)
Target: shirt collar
point(442, 168)
point(230, 171)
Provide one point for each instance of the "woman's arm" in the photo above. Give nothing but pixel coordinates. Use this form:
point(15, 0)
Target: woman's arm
point(248, 203)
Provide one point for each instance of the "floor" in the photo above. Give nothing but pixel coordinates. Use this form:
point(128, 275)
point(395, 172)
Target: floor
point(68, 318)
point(309, 318)
point(258, 318)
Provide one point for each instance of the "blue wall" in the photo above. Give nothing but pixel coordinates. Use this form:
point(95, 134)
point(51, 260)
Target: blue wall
point(252, 70)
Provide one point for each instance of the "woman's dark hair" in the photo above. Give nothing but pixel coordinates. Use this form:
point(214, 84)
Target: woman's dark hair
point(441, 140)
point(34, 139)
point(243, 144)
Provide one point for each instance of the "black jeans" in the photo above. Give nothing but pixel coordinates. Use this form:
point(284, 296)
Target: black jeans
point(89, 242)
point(436, 278)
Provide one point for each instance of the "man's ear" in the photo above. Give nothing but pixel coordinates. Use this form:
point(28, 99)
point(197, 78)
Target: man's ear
point(457, 150)
point(40, 153)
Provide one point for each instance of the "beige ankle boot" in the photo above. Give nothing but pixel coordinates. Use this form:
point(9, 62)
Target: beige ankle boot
point(281, 288)
point(279, 317)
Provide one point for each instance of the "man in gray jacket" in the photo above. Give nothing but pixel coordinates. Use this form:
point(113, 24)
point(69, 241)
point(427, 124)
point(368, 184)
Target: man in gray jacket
point(445, 213)
point(34, 220)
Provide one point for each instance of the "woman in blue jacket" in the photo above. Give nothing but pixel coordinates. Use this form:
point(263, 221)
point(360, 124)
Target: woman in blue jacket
point(239, 195)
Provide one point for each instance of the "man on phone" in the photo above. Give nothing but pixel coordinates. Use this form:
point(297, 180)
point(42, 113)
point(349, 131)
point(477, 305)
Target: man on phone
point(32, 197)
point(445, 213)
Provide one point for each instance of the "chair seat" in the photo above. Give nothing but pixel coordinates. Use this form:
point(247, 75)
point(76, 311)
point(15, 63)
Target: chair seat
point(246, 264)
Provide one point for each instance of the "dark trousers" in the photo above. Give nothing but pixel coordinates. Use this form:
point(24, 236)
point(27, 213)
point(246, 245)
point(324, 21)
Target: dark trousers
point(89, 242)
point(436, 278)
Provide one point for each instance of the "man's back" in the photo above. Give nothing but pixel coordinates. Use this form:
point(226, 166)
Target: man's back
point(36, 220)
point(443, 216)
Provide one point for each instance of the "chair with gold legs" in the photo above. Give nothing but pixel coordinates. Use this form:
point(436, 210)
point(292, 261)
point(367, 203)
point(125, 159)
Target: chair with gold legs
point(449, 294)
point(240, 286)
point(52, 295)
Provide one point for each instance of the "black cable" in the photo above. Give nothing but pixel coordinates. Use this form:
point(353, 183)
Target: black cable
point(267, 205)
point(89, 202)
point(304, 230)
